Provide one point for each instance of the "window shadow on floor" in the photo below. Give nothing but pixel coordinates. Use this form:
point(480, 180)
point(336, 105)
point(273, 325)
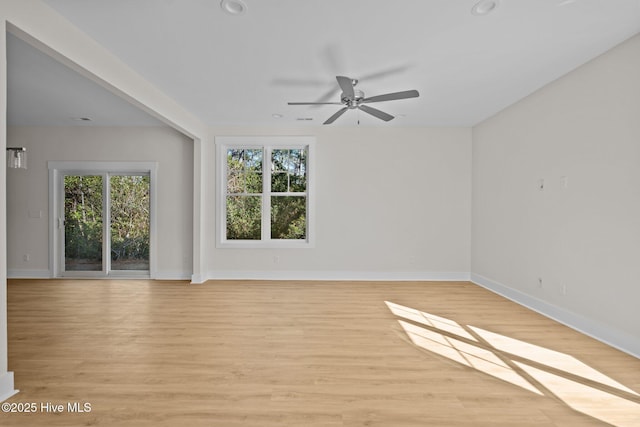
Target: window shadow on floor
point(536, 369)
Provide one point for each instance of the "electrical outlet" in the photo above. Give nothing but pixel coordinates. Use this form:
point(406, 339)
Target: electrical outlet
point(563, 289)
point(276, 259)
point(26, 257)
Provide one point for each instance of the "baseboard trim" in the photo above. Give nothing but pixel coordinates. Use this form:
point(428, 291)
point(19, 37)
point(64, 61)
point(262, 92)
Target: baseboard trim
point(28, 274)
point(597, 330)
point(46, 274)
point(197, 279)
point(377, 276)
point(6, 386)
point(172, 275)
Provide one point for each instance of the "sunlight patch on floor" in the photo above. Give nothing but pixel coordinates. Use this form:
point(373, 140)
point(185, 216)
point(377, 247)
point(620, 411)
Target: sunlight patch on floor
point(554, 359)
point(523, 364)
point(466, 354)
point(599, 404)
point(429, 320)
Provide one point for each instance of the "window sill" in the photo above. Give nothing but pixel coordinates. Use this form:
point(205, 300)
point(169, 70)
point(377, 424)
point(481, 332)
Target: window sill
point(272, 244)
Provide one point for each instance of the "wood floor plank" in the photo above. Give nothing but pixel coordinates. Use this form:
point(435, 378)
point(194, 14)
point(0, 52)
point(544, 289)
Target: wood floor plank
point(246, 353)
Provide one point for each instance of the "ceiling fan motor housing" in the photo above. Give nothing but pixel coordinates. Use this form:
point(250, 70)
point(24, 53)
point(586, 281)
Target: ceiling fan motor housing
point(358, 96)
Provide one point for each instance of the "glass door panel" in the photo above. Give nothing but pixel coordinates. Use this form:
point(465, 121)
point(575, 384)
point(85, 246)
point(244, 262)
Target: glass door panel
point(129, 222)
point(106, 224)
point(83, 223)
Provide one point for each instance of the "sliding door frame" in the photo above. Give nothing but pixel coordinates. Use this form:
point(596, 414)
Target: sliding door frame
point(57, 171)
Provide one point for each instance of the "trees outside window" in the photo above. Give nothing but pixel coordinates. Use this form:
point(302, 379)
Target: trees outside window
point(128, 221)
point(266, 192)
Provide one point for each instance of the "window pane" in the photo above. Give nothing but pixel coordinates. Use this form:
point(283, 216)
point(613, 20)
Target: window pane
point(244, 217)
point(296, 160)
point(292, 162)
point(253, 160)
point(83, 223)
point(288, 217)
point(279, 182)
point(298, 183)
point(244, 171)
point(235, 159)
point(298, 170)
point(279, 159)
point(253, 182)
point(235, 182)
point(130, 222)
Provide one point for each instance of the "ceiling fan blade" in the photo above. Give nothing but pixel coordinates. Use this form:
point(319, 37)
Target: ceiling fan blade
point(297, 82)
point(335, 116)
point(330, 94)
point(384, 73)
point(376, 113)
point(393, 96)
point(346, 84)
point(314, 103)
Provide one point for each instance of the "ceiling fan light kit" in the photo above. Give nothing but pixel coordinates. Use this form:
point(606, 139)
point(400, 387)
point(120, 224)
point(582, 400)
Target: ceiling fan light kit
point(353, 99)
point(484, 7)
point(233, 7)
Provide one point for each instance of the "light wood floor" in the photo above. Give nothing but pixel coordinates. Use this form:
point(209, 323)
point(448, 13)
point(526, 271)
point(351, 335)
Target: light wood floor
point(264, 354)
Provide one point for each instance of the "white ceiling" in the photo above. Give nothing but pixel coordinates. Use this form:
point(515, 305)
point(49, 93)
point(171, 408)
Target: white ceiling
point(240, 70)
point(43, 92)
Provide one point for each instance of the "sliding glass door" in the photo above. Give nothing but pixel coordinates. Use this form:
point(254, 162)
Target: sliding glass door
point(130, 222)
point(83, 222)
point(106, 224)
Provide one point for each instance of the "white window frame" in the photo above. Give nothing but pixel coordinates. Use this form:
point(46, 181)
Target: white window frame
point(267, 143)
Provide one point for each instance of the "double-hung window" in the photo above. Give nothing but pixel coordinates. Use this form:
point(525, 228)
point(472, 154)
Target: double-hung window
point(265, 193)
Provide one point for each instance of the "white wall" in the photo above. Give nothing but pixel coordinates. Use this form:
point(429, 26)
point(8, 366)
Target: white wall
point(582, 240)
point(392, 203)
point(27, 190)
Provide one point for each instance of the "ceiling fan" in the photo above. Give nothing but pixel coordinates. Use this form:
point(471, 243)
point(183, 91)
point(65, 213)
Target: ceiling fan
point(353, 98)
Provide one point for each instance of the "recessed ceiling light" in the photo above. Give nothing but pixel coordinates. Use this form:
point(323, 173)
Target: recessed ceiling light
point(81, 119)
point(304, 119)
point(484, 7)
point(277, 116)
point(233, 7)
